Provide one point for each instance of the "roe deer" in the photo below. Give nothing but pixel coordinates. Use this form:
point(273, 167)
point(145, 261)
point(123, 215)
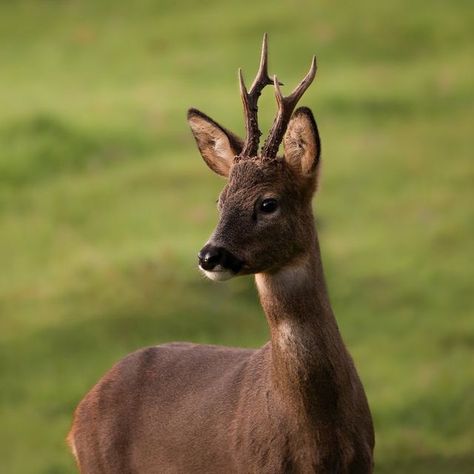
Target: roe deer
point(296, 405)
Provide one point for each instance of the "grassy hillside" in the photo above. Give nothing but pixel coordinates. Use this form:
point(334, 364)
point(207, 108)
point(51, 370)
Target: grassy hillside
point(104, 202)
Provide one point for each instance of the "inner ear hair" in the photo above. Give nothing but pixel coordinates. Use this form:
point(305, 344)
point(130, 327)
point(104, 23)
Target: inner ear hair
point(218, 146)
point(301, 142)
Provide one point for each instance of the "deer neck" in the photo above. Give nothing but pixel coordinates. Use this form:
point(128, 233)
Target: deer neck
point(310, 366)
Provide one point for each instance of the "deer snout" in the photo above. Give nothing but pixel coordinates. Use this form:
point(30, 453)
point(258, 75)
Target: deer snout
point(213, 258)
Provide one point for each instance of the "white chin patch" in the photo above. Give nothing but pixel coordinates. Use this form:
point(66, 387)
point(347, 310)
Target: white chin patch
point(218, 274)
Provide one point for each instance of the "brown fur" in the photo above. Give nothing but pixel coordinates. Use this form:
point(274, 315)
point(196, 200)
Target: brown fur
point(296, 405)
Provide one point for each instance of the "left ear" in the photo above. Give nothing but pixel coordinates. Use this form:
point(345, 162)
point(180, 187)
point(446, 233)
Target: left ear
point(218, 146)
point(301, 143)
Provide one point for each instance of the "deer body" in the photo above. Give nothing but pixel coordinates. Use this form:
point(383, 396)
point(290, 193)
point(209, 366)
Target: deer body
point(294, 406)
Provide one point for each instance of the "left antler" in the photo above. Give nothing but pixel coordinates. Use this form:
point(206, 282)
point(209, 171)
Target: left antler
point(250, 100)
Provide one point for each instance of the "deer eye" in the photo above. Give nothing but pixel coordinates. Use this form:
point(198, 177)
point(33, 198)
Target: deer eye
point(269, 205)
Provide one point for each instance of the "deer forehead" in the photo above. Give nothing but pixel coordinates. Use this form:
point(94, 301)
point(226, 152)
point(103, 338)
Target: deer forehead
point(257, 176)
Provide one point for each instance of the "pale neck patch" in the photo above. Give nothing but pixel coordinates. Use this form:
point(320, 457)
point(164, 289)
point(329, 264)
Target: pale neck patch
point(280, 286)
point(285, 337)
point(285, 280)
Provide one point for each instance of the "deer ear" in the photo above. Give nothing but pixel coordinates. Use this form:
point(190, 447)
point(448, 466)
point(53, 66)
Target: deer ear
point(217, 145)
point(302, 144)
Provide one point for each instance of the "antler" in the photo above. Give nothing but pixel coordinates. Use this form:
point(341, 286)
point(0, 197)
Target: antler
point(286, 105)
point(250, 100)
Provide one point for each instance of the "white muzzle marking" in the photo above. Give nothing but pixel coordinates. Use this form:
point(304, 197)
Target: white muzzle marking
point(218, 273)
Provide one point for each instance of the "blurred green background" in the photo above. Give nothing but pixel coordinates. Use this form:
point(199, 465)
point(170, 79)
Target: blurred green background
point(105, 201)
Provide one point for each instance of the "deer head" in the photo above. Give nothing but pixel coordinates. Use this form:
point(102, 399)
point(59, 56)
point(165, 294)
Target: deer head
point(266, 219)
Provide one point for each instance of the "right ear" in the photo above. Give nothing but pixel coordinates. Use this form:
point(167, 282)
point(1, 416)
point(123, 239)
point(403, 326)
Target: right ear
point(302, 144)
point(217, 145)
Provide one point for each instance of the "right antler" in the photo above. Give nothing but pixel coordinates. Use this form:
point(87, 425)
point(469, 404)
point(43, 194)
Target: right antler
point(250, 100)
point(286, 105)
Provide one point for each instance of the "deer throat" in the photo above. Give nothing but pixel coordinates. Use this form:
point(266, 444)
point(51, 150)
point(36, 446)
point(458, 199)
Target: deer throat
point(310, 364)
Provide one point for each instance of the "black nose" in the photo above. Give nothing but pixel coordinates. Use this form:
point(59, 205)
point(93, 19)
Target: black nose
point(209, 257)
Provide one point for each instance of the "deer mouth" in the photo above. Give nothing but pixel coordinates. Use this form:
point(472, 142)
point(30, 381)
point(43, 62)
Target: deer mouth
point(219, 273)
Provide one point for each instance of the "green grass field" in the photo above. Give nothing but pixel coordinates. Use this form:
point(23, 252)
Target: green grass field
point(105, 202)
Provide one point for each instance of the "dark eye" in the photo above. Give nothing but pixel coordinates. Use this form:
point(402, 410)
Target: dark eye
point(269, 205)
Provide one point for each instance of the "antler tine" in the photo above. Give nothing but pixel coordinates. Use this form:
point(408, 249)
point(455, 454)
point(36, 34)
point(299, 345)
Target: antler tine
point(262, 78)
point(250, 102)
point(286, 106)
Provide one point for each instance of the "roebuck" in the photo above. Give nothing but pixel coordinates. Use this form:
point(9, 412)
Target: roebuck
point(296, 405)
